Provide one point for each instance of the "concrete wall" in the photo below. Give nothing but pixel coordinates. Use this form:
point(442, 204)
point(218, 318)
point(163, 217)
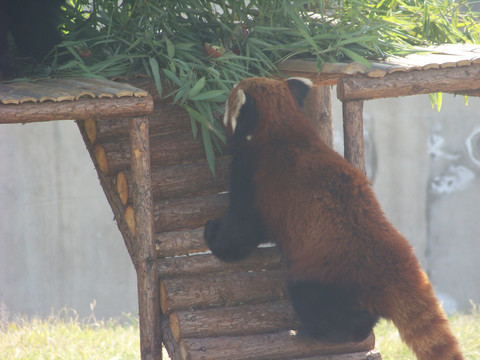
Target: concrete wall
point(425, 168)
point(59, 245)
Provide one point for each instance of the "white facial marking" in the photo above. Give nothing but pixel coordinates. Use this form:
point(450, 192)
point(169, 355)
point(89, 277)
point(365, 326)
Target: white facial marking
point(225, 116)
point(240, 100)
point(306, 81)
point(249, 137)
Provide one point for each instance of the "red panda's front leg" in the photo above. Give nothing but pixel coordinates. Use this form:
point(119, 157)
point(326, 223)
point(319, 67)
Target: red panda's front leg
point(242, 230)
point(233, 238)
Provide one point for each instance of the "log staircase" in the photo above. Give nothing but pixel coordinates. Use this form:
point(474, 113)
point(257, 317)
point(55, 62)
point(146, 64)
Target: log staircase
point(210, 309)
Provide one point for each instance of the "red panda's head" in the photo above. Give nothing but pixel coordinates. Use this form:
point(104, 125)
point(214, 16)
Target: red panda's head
point(254, 104)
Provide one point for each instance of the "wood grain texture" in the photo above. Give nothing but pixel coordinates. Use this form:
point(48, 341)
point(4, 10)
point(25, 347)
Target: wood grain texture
point(188, 213)
point(187, 180)
point(449, 80)
point(234, 321)
point(280, 345)
point(145, 259)
point(318, 108)
point(81, 109)
point(261, 259)
point(176, 243)
point(222, 290)
point(166, 150)
point(354, 146)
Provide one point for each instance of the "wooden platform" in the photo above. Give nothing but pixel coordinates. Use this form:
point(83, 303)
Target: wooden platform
point(435, 57)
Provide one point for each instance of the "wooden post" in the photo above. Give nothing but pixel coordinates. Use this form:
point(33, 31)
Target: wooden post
point(145, 259)
point(318, 108)
point(354, 148)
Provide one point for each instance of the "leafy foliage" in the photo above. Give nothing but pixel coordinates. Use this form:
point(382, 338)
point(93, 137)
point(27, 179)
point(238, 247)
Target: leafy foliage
point(167, 40)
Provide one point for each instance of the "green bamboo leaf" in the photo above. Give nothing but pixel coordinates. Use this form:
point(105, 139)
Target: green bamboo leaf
point(156, 74)
point(356, 57)
point(436, 100)
point(211, 95)
point(197, 87)
point(170, 48)
point(193, 123)
point(195, 115)
point(169, 74)
point(207, 144)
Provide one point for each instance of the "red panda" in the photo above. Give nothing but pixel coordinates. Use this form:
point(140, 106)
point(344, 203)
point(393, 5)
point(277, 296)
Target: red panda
point(347, 265)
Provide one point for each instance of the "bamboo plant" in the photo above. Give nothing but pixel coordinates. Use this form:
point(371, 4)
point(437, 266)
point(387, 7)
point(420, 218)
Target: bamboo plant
point(203, 47)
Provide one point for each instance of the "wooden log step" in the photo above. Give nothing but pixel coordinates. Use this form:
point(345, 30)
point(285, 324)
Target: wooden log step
point(234, 321)
point(189, 213)
point(166, 150)
point(165, 119)
point(175, 351)
point(272, 346)
point(176, 243)
point(363, 355)
point(228, 289)
point(184, 242)
point(261, 259)
point(185, 180)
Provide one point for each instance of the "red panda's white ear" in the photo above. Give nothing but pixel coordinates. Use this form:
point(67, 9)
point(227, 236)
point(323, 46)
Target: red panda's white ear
point(299, 87)
point(232, 111)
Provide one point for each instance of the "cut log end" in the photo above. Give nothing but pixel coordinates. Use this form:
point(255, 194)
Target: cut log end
point(175, 327)
point(130, 219)
point(91, 129)
point(184, 351)
point(163, 298)
point(102, 160)
point(122, 187)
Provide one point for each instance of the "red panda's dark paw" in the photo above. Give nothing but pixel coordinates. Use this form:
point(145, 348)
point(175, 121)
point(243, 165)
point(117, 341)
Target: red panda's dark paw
point(211, 228)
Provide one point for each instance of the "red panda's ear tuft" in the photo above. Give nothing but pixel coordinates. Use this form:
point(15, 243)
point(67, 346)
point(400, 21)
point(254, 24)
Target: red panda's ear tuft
point(299, 87)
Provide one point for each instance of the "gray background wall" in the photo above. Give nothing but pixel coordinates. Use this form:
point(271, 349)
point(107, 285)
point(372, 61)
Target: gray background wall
point(59, 245)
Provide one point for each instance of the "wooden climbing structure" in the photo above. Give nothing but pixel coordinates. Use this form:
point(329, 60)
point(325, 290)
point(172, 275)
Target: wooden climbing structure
point(157, 181)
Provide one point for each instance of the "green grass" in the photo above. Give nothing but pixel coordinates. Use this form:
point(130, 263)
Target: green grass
point(466, 328)
point(64, 336)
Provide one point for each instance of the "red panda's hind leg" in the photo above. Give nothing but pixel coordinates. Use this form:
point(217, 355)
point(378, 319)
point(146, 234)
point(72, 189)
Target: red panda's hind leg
point(330, 312)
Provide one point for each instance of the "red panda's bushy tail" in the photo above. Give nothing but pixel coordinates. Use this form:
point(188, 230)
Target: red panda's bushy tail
point(422, 323)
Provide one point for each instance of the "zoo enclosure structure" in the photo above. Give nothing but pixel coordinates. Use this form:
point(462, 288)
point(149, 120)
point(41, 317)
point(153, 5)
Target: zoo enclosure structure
point(158, 183)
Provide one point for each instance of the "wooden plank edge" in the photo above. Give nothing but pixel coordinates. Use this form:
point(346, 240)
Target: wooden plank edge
point(222, 290)
point(81, 109)
point(261, 259)
point(272, 346)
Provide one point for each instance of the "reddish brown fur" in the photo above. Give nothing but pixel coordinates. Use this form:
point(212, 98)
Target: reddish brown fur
point(325, 217)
